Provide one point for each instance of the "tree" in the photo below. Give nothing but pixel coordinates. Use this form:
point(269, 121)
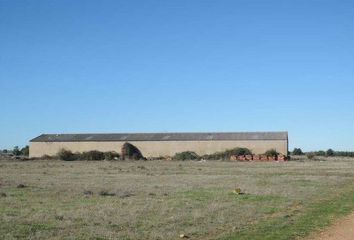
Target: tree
point(297, 151)
point(310, 155)
point(16, 151)
point(187, 155)
point(238, 152)
point(271, 153)
point(129, 151)
point(321, 153)
point(329, 153)
point(25, 150)
point(67, 155)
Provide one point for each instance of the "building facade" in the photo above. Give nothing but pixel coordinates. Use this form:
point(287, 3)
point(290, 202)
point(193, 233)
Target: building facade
point(161, 144)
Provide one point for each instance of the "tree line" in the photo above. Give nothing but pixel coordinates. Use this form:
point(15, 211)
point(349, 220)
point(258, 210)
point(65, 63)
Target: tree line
point(17, 151)
point(329, 153)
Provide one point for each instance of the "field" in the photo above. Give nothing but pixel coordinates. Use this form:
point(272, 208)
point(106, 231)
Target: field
point(163, 199)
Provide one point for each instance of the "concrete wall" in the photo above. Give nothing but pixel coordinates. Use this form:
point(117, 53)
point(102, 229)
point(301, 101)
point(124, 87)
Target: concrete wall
point(159, 148)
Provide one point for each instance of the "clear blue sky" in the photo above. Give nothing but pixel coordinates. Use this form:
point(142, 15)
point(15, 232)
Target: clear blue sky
point(184, 65)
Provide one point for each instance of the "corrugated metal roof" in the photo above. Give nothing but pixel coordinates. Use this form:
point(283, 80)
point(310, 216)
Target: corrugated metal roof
point(187, 136)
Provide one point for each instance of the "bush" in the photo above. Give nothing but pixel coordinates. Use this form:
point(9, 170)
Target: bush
point(92, 155)
point(237, 152)
point(187, 155)
point(4, 151)
point(329, 153)
point(310, 155)
point(129, 151)
point(214, 156)
point(16, 151)
point(321, 153)
point(67, 155)
point(271, 153)
point(297, 151)
point(228, 153)
point(344, 154)
point(25, 150)
point(111, 156)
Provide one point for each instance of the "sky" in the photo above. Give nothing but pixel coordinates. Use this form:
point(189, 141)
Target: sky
point(179, 65)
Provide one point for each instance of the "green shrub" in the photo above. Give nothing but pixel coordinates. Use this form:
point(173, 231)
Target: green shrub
point(16, 151)
point(111, 156)
point(329, 153)
point(67, 155)
point(344, 154)
point(214, 156)
point(91, 155)
point(25, 150)
point(129, 151)
point(310, 155)
point(271, 153)
point(187, 155)
point(238, 152)
point(320, 153)
point(228, 153)
point(297, 151)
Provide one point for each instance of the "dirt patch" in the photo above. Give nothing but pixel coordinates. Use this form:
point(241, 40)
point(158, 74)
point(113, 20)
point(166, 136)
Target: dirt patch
point(343, 229)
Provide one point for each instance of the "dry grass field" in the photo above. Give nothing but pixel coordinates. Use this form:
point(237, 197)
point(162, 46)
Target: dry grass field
point(163, 199)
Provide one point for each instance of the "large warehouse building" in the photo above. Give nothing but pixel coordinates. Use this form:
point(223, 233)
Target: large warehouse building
point(161, 144)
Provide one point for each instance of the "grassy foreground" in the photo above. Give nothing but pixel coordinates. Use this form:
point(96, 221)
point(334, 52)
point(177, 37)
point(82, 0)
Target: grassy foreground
point(161, 200)
point(317, 216)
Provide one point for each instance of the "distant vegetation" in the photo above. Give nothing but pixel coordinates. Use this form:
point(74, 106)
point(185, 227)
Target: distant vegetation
point(17, 151)
point(331, 153)
point(188, 155)
point(25, 150)
point(271, 153)
point(297, 151)
point(67, 155)
point(344, 154)
point(310, 155)
point(227, 154)
point(129, 151)
point(111, 156)
point(97, 155)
